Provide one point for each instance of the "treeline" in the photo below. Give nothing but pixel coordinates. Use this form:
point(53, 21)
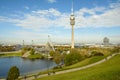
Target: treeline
point(7, 48)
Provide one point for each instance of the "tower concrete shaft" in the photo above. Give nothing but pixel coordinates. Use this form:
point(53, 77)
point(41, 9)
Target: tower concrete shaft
point(72, 39)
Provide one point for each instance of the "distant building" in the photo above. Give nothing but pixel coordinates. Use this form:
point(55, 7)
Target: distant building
point(106, 41)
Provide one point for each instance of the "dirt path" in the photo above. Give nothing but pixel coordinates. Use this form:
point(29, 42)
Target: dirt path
point(75, 69)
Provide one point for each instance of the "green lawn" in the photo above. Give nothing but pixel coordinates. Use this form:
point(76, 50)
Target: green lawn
point(35, 56)
point(11, 54)
point(85, 62)
point(109, 70)
point(79, 64)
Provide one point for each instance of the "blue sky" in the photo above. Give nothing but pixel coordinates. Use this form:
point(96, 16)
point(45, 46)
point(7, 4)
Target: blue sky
point(36, 19)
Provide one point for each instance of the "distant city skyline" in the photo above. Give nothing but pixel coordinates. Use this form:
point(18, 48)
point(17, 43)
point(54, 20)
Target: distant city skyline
point(36, 19)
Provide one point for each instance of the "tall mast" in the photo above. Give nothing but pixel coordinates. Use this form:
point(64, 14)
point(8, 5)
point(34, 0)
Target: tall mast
point(72, 9)
point(72, 23)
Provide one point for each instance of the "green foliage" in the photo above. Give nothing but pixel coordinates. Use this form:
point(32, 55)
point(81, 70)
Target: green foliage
point(25, 49)
point(6, 48)
point(36, 56)
point(73, 57)
point(10, 54)
point(13, 73)
point(63, 55)
point(57, 58)
point(62, 48)
point(23, 52)
point(85, 62)
point(116, 50)
point(52, 53)
point(96, 53)
point(57, 67)
point(32, 51)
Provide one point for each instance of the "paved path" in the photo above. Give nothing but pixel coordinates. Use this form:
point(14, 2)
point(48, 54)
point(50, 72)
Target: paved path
point(26, 54)
point(75, 69)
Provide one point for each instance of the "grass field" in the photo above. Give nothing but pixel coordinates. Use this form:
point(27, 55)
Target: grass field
point(79, 64)
point(109, 70)
point(35, 56)
point(11, 54)
point(86, 62)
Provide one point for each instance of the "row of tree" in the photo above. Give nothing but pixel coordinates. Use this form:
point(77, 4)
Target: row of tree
point(73, 57)
point(76, 55)
point(7, 48)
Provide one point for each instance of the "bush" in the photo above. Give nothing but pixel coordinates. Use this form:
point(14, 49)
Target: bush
point(95, 53)
point(73, 57)
point(57, 67)
point(13, 73)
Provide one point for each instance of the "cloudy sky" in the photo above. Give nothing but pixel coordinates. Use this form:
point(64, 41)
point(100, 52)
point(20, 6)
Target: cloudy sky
point(36, 19)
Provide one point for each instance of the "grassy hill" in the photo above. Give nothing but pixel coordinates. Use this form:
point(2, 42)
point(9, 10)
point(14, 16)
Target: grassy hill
point(109, 70)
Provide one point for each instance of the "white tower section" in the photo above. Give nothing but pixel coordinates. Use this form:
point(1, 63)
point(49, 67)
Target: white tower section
point(72, 23)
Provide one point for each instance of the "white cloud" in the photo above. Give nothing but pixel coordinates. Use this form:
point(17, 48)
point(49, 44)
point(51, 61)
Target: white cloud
point(98, 17)
point(3, 18)
point(52, 1)
point(94, 17)
point(26, 7)
point(42, 19)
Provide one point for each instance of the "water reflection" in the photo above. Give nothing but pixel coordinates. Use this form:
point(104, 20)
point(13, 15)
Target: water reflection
point(26, 66)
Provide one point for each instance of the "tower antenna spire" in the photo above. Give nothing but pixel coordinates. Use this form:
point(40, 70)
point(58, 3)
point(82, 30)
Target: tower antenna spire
point(72, 9)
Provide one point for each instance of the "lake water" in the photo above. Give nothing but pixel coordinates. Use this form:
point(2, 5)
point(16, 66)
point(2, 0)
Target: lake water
point(26, 66)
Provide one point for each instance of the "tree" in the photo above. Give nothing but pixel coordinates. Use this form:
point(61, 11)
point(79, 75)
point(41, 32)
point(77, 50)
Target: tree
point(13, 73)
point(32, 51)
point(52, 53)
point(116, 50)
point(57, 58)
point(73, 57)
point(63, 56)
point(97, 53)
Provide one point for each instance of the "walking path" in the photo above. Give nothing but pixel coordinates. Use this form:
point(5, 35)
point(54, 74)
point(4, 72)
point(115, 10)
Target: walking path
point(26, 54)
point(75, 69)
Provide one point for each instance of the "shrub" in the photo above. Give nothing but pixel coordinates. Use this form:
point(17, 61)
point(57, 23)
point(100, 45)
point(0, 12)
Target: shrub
point(13, 73)
point(95, 53)
point(57, 67)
